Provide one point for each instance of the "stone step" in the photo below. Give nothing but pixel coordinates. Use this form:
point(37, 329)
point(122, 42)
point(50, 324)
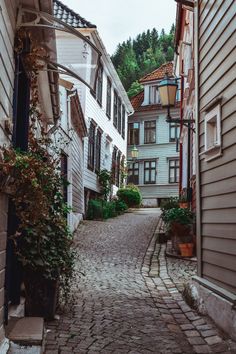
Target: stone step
point(26, 335)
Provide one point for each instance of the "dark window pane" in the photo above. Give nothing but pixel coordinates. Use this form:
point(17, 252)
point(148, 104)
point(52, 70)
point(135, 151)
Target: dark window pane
point(149, 132)
point(115, 109)
point(99, 85)
point(108, 106)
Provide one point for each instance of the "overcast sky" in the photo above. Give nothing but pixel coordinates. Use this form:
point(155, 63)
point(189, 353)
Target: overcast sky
point(117, 20)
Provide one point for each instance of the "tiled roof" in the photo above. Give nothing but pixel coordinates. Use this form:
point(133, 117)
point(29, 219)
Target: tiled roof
point(137, 101)
point(159, 73)
point(71, 18)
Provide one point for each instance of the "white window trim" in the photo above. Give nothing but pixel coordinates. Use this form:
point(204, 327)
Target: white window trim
point(211, 116)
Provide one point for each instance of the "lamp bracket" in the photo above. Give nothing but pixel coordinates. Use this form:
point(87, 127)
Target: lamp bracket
point(185, 122)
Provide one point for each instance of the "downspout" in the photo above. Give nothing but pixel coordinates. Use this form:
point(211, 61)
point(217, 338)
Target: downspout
point(181, 127)
point(198, 178)
point(70, 191)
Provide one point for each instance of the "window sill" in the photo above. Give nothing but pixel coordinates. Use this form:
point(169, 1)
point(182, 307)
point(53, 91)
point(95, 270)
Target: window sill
point(212, 153)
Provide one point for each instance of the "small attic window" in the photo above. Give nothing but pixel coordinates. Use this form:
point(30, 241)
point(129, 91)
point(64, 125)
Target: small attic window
point(154, 96)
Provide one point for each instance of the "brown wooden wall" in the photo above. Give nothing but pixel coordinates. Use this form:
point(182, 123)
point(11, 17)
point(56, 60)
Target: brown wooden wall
point(217, 77)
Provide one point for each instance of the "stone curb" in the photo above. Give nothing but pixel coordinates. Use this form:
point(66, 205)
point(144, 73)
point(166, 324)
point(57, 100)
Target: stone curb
point(200, 332)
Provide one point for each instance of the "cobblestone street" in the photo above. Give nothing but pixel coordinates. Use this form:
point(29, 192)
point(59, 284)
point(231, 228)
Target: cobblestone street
point(122, 305)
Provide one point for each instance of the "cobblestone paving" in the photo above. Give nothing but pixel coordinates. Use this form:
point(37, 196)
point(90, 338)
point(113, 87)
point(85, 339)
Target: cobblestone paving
point(181, 270)
point(121, 306)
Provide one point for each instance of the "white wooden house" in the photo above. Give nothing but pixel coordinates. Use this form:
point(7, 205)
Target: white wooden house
point(14, 123)
point(68, 138)
point(156, 170)
point(105, 110)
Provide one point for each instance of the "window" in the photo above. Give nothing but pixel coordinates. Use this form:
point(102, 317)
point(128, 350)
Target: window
point(119, 115)
point(99, 85)
point(133, 134)
point(91, 146)
point(115, 109)
point(118, 161)
point(174, 130)
point(154, 97)
point(149, 172)
point(133, 173)
point(64, 175)
point(149, 132)
point(213, 129)
point(108, 107)
point(98, 151)
point(123, 122)
point(173, 171)
point(113, 167)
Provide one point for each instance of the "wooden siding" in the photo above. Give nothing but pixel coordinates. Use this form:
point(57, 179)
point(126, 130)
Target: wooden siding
point(94, 111)
point(217, 75)
point(161, 151)
point(7, 32)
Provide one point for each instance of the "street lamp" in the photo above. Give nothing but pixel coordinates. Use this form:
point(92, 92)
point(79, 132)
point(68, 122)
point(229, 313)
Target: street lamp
point(167, 90)
point(134, 153)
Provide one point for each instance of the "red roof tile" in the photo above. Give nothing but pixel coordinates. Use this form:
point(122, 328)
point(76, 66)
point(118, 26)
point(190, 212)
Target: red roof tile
point(137, 100)
point(159, 73)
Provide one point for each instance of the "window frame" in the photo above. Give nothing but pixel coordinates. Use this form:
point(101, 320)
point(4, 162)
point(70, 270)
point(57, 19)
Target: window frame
point(150, 169)
point(148, 129)
point(133, 169)
point(98, 150)
point(123, 122)
point(130, 136)
point(176, 128)
point(175, 168)
point(99, 85)
point(108, 103)
point(91, 146)
point(115, 109)
point(119, 115)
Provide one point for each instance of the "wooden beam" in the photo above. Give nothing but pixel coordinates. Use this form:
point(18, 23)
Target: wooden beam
point(185, 2)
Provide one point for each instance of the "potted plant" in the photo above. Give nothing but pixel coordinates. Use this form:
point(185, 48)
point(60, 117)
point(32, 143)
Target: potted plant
point(42, 239)
point(180, 221)
point(183, 201)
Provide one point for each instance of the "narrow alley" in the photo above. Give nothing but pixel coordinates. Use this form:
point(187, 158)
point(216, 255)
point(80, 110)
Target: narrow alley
point(120, 305)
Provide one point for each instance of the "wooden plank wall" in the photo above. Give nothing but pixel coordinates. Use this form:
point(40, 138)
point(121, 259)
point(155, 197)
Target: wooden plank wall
point(7, 33)
point(217, 77)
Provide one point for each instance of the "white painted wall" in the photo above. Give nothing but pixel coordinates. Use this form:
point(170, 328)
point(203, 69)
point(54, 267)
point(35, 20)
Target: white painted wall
point(93, 110)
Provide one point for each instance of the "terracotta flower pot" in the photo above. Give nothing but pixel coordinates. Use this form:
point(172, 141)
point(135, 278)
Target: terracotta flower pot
point(183, 205)
point(186, 249)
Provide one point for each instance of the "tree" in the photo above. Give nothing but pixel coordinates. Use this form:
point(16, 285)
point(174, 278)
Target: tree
point(134, 89)
point(135, 58)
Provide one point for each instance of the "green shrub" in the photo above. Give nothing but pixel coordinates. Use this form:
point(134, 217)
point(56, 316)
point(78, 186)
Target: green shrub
point(169, 203)
point(121, 206)
point(95, 209)
point(99, 209)
point(182, 216)
point(130, 195)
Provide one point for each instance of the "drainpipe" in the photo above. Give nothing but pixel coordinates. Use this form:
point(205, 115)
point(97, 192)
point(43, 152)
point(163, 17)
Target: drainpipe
point(198, 179)
point(181, 127)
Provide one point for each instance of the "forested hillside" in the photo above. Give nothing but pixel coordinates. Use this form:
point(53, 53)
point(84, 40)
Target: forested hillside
point(135, 58)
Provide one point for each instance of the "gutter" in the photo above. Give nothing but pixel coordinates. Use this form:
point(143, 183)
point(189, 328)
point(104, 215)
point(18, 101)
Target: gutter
point(198, 178)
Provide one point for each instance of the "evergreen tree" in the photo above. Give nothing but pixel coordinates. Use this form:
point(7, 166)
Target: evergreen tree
point(135, 58)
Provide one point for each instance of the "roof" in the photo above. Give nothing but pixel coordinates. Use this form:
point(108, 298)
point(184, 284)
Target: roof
point(71, 18)
point(159, 73)
point(137, 101)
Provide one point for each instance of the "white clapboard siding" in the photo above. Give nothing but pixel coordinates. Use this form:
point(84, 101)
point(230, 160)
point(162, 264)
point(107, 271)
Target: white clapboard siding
point(94, 111)
point(161, 151)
